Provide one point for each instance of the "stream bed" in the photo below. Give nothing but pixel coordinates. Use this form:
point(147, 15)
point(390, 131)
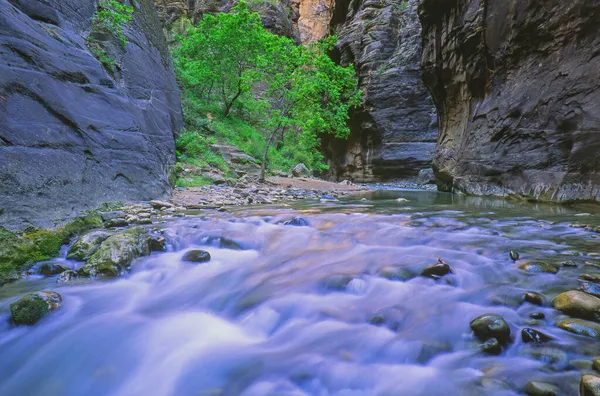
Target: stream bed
point(333, 305)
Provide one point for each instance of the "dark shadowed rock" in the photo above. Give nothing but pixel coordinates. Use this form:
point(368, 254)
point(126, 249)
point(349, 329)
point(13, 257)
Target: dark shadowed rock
point(516, 89)
point(437, 270)
point(196, 256)
point(534, 336)
point(73, 134)
point(533, 298)
point(32, 307)
point(51, 268)
point(537, 315)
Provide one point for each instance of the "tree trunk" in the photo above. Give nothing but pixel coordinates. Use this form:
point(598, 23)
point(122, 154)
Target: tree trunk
point(263, 165)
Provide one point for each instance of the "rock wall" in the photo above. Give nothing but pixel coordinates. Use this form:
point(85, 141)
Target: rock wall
point(72, 133)
point(394, 131)
point(176, 16)
point(516, 86)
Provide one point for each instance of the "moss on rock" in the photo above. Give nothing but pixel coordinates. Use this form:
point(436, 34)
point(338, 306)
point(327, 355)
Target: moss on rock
point(32, 307)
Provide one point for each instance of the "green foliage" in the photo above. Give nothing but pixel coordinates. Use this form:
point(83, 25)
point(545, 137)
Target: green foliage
point(111, 16)
point(18, 250)
point(267, 95)
point(99, 53)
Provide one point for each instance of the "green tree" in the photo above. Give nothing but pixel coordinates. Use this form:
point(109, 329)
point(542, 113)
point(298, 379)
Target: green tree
point(111, 16)
point(220, 57)
point(231, 59)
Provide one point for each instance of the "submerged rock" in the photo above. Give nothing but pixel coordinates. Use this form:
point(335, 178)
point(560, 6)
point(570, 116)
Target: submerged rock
point(491, 346)
point(222, 242)
point(537, 315)
point(296, 221)
point(32, 307)
point(578, 304)
point(589, 386)
point(514, 255)
point(196, 256)
point(488, 326)
point(437, 270)
point(581, 327)
point(537, 267)
point(117, 252)
point(87, 245)
point(533, 336)
point(535, 388)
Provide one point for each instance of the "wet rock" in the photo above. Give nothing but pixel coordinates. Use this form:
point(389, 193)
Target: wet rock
point(491, 346)
point(395, 273)
point(589, 386)
point(87, 245)
point(533, 298)
point(66, 276)
point(590, 277)
point(533, 336)
point(488, 326)
point(581, 327)
point(437, 270)
point(51, 268)
point(107, 216)
point(596, 363)
point(300, 170)
point(578, 304)
point(32, 307)
point(568, 264)
point(537, 315)
point(117, 252)
point(536, 267)
point(590, 288)
point(296, 221)
point(555, 358)
point(156, 204)
point(196, 256)
point(514, 255)
point(535, 388)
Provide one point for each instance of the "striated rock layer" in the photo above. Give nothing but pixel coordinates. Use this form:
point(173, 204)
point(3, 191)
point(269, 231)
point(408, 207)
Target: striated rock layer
point(72, 133)
point(516, 86)
point(394, 131)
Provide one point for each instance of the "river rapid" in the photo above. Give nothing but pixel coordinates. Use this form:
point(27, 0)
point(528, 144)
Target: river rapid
point(313, 310)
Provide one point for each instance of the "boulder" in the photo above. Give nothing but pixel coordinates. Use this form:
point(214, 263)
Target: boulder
point(581, 327)
point(488, 326)
point(589, 385)
point(87, 245)
point(300, 170)
point(535, 388)
point(578, 304)
point(117, 252)
point(32, 307)
point(196, 256)
point(51, 268)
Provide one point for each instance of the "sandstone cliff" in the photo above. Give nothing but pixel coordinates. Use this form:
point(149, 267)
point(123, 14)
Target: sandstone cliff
point(72, 133)
point(394, 132)
point(516, 86)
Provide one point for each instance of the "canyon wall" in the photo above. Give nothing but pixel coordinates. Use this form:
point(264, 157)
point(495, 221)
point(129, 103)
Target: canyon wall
point(75, 132)
point(517, 89)
point(393, 133)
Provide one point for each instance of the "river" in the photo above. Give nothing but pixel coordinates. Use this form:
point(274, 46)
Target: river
point(312, 310)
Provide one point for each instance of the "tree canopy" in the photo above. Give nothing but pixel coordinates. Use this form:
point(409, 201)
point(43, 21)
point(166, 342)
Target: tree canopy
point(232, 61)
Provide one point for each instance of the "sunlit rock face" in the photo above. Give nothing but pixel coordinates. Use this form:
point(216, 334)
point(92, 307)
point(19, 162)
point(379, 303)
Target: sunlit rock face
point(73, 134)
point(314, 18)
point(516, 87)
point(393, 133)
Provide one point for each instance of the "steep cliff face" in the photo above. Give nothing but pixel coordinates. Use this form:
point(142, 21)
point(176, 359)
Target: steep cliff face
point(394, 131)
point(516, 86)
point(73, 134)
point(176, 16)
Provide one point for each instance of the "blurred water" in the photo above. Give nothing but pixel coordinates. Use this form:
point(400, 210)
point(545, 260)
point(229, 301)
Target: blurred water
point(293, 312)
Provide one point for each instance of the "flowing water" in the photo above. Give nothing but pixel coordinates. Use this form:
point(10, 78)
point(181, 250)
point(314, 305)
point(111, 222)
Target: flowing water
point(304, 310)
